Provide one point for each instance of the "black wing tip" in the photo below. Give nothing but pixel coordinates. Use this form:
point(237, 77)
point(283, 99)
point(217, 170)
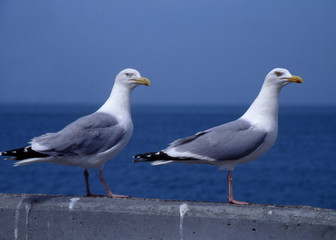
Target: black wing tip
point(155, 156)
point(22, 153)
point(150, 156)
point(143, 157)
point(137, 158)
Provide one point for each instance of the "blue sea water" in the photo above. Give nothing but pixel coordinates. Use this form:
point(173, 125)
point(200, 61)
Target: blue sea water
point(299, 170)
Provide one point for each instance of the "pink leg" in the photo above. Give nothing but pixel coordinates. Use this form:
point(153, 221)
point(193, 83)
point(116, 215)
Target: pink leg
point(230, 196)
point(108, 191)
point(88, 192)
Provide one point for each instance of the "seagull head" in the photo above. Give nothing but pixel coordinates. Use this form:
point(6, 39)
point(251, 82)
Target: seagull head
point(281, 77)
point(131, 78)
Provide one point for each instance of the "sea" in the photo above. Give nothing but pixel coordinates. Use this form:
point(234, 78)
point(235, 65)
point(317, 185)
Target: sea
point(300, 169)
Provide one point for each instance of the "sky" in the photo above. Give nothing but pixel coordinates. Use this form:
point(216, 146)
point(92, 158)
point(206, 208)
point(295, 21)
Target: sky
point(194, 52)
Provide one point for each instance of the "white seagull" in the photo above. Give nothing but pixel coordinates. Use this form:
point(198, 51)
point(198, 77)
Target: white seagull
point(239, 141)
point(90, 141)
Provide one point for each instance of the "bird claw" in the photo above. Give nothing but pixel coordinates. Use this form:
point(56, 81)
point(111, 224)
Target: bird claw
point(112, 195)
point(94, 195)
point(232, 201)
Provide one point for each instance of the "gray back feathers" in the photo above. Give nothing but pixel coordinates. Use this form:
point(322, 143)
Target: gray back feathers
point(89, 134)
point(230, 141)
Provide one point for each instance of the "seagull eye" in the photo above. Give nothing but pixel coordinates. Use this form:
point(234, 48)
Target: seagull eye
point(278, 74)
point(127, 74)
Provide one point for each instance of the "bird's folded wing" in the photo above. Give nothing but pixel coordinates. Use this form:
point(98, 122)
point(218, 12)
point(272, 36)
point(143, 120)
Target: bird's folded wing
point(230, 141)
point(91, 134)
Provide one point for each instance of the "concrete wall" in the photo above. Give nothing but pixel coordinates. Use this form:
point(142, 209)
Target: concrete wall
point(63, 217)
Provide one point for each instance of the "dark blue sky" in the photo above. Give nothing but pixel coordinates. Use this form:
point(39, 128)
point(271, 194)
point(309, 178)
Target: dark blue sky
point(194, 52)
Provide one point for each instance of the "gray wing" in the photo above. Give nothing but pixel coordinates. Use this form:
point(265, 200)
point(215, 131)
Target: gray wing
point(89, 134)
point(230, 141)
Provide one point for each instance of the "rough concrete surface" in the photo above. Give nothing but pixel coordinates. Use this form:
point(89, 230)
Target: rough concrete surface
point(65, 217)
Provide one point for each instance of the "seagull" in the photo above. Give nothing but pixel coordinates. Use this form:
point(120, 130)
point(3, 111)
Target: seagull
point(90, 141)
point(232, 143)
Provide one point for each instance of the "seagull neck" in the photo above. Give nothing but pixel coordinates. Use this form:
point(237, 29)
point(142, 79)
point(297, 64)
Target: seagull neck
point(119, 102)
point(265, 107)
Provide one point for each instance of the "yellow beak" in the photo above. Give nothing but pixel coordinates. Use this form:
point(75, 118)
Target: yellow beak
point(295, 79)
point(143, 81)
